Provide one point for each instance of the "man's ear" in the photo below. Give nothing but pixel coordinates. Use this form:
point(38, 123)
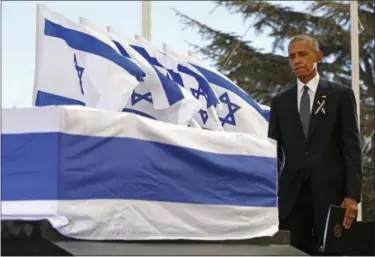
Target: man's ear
point(319, 56)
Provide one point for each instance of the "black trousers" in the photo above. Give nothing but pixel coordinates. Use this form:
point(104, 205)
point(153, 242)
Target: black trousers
point(301, 223)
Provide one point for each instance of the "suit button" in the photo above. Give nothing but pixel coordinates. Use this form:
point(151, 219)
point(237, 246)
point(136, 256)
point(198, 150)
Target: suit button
point(306, 153)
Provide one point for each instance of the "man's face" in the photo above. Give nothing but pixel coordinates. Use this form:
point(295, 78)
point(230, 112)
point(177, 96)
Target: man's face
point(303, 58)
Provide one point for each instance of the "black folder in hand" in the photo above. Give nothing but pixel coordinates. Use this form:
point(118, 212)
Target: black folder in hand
point(337, 239)
point(358, 240)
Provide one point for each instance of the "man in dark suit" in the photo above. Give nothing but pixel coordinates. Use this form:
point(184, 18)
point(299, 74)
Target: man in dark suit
point(320, 163)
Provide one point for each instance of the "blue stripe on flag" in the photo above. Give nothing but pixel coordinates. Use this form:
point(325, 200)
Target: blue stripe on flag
point(22, 166)
point(87, 43)
point(221, 82)
point(121, 49)
point(152, 60)
point(44, 99)
point(128, 168)
point(266, 114)
point(172, 89)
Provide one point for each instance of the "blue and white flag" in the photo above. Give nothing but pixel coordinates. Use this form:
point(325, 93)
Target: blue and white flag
point(187, 76)
point(94, 177)
point(239, 112)
point(72, 65)
point(166, 76)
point(178, 105)
point(266, 111)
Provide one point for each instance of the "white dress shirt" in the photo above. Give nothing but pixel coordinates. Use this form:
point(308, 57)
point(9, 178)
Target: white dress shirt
point(312, 85)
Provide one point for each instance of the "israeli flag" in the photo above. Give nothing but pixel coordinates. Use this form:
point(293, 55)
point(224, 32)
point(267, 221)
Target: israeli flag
point(165, 76)
point(266, 111)
point(239, 112)
point(96, 178)
point(187, 76)
point(178, 105)
point(72, 65)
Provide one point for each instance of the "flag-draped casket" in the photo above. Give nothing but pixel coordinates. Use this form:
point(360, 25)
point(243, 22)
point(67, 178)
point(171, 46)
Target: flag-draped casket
point(98, 174)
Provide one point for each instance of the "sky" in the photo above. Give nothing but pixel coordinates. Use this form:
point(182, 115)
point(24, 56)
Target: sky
point(19, 28)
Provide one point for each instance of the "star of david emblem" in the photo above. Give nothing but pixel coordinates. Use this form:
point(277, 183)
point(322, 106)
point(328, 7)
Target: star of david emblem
point(79, 70)
point(232, 109)
point(204, 115)
point(137, 97)
point(197, 93)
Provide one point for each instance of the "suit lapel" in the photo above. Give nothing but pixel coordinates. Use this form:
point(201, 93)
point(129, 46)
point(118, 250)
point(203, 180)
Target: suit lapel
point(316, 118)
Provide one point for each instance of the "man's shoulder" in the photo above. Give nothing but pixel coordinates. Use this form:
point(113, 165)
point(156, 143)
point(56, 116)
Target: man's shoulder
point(285, 92)
point(337, 87)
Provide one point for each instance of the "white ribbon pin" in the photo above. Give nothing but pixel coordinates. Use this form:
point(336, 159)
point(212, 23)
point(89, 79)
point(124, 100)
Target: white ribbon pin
point(321, 104)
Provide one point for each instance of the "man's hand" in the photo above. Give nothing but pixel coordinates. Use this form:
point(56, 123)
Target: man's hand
point(350, 213)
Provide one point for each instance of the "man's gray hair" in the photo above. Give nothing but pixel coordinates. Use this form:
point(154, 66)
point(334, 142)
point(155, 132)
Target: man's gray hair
point(313, 41)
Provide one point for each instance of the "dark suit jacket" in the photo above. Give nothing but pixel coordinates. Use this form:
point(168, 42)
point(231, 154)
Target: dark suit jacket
point(331, 155)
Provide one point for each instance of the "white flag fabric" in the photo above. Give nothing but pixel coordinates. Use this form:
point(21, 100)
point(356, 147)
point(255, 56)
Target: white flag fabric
point(73, 64)
point(239, 112)
point(103, 175)
point(178, 106)
point(187, 76)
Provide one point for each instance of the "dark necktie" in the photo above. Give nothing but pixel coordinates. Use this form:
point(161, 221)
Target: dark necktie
point(304, 110)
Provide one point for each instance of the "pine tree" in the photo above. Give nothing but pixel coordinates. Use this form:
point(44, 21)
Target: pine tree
point(264, 74)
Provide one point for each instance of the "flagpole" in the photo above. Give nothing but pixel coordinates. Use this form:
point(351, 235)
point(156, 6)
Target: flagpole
point(355, 52)
point(146, 20)
point(354, 44)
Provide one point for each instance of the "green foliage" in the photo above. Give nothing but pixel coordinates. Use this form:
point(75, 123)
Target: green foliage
point(264, 74)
